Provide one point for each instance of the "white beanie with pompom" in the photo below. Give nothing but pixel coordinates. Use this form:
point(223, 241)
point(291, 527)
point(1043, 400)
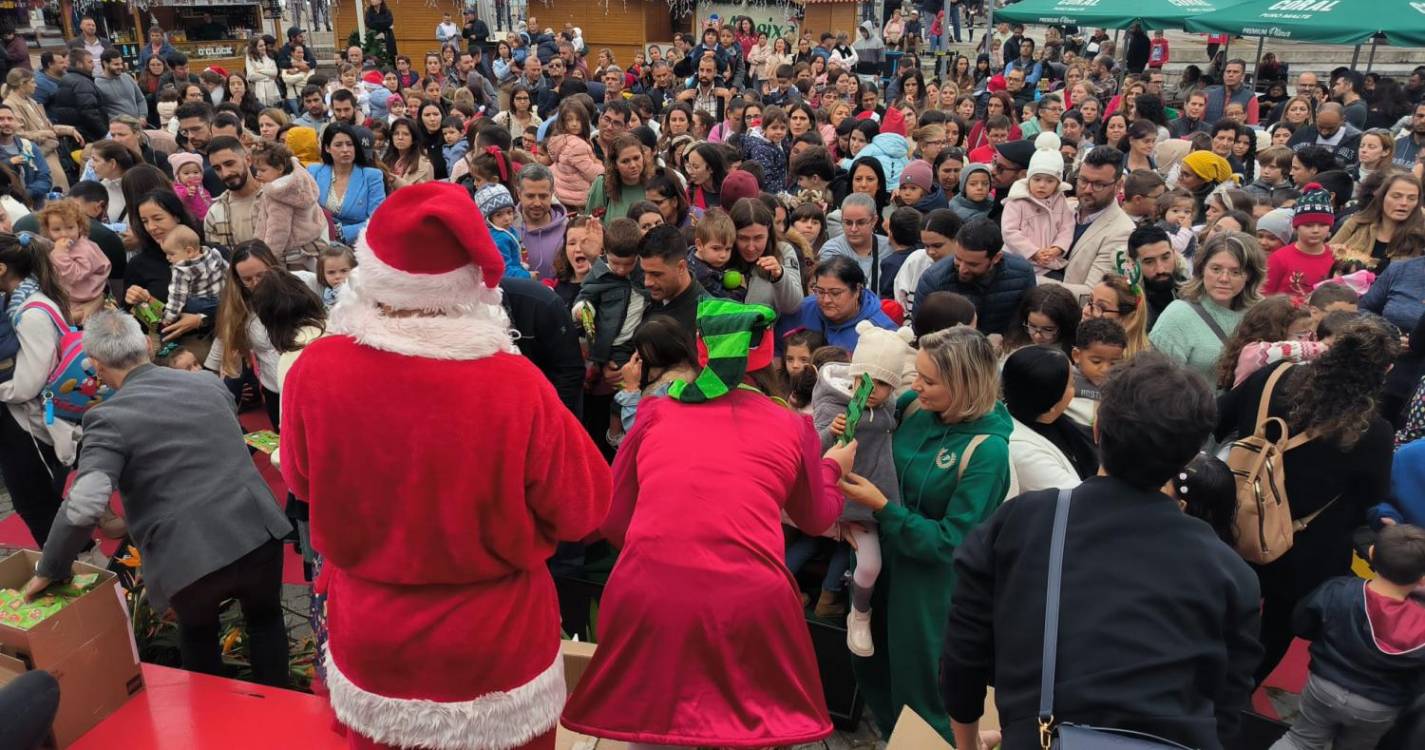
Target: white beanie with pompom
point(1046, 158)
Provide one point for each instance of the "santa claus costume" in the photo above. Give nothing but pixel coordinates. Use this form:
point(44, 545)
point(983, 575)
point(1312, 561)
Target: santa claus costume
point(441, 469)
point(702, 639)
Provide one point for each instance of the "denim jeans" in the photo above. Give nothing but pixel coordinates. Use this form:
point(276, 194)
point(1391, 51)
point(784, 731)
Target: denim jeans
point(1332, 716)
point(804, 547)
point(202, 306)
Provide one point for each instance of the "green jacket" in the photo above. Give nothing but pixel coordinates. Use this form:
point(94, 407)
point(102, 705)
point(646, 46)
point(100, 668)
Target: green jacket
point(940, 505)
point(598, 198)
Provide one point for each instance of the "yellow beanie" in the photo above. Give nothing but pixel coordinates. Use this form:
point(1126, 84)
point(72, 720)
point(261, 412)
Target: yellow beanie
point(1209, 166)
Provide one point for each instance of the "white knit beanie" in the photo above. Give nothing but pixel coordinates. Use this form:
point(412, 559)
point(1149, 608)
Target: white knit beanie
point(1046, 158)
point(880, 353)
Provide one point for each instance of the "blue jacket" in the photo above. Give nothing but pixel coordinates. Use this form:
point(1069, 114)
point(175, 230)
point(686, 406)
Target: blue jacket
point(364, 193)
point(1407, 488)
point(891, 150)
point(46, 86)
point(1397, 294)
point(146, 51)
point(454, 153)
point(508, 244)
point(1375, 652)
point(34, 169)
point(996, 296)
point(840, 334)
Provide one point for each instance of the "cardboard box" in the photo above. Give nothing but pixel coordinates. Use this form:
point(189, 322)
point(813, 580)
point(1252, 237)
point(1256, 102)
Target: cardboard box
point(88, 646)
point(915, 733)
point(576, 659)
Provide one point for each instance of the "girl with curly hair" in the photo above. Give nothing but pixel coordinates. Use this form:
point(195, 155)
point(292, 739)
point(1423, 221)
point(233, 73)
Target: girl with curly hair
point(1333, 478)
point(1272, 330)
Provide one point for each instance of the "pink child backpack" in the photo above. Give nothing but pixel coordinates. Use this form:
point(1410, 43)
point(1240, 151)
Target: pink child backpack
point(73, 385)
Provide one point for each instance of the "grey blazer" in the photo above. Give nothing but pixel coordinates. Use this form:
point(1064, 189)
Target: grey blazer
point(169, 441)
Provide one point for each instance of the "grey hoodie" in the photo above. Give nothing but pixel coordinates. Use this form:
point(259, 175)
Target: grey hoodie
point(873, 435)
point(120, 95)
point(965, 208)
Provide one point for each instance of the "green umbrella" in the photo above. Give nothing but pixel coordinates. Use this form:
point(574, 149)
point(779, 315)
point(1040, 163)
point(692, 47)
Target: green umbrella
point(1111, 14)
point(1401, 22)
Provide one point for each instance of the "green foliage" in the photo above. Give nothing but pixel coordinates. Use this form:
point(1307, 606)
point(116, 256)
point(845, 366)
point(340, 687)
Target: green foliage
point(372, 47)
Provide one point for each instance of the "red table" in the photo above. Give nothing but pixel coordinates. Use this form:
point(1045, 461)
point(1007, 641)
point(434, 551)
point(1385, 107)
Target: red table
point(180, 710)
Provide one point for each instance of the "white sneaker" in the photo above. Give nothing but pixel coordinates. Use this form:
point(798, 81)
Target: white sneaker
point(858, 633)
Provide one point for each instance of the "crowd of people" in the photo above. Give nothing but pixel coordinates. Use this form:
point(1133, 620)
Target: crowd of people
point(859, 325)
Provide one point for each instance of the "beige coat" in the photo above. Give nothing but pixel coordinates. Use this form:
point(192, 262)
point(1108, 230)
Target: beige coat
point(1092, 257)
point(289, 215)
point(423, 172)
point(36, 126)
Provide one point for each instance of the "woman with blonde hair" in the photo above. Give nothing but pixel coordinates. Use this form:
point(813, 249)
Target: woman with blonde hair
point(1125, 304)
point(35, 125)
point(952, 461)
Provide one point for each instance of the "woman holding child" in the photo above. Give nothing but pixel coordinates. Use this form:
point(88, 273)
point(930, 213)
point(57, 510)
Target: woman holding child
point(951, 453)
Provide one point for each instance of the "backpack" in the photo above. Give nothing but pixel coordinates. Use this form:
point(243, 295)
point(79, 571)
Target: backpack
point(73, 385)
point(1265, 529)
point(9, 348)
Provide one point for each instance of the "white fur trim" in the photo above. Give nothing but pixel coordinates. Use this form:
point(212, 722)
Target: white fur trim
point(474, 332)
point(494, 721)
point(403, 290)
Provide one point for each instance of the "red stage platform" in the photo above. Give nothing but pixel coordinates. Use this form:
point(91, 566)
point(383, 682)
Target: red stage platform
point(180, 710)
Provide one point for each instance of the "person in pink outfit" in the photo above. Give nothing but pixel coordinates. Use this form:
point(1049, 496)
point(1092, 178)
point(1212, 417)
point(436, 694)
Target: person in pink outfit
point(572, 156)
point(83, 268)
point(702, 639)
point(188, 183)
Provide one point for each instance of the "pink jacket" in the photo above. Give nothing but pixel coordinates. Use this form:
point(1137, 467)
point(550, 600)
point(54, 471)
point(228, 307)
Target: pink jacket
point(574, 168)
point(289, 212)
point(196, 200)
point(1030, 224)
point(1259, 354)
point(83, 270)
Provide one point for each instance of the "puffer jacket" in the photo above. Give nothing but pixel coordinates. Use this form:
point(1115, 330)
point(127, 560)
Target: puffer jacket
point(771, 156)
point(1367, 644)
point(289, 214)
point(77, 103)
point(829, 399)
point(575, 168)
point(892, 151)
point(609, 294)
point(1030, 224)
point(995, 296)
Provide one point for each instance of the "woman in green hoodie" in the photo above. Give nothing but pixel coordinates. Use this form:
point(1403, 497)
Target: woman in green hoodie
point(952, 461)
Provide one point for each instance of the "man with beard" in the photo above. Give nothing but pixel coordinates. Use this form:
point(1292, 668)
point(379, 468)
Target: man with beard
point(1100, 224)
point(231, 219)
point(1407, 144)
point(1306, 85)
point(1331, 131)
point(1010, 163)
point(1150, 248)
point(992, 280)
point(195, 131)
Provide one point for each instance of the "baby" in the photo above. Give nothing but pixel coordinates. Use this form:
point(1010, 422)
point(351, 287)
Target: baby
point(713, 237)
point(198, 275)
point(1038, 223)
point(83, 268)
point(881, 356)
point(452, 129)
point(188, 183)
point(498, 207)
point(1175, 209)
point(333, 267)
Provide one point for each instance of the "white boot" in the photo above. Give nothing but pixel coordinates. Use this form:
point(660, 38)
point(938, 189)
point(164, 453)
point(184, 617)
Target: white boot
point(858, 633)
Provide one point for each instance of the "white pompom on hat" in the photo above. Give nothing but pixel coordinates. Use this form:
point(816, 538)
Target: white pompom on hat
point(1046, 158)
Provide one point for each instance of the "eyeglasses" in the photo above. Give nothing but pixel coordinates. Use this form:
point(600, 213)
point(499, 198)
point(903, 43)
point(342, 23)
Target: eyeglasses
point(857, 223)
point(1105, 310)
point(830, 293)
point(1045, 331)
point(1096, 186)
point(1219, 271)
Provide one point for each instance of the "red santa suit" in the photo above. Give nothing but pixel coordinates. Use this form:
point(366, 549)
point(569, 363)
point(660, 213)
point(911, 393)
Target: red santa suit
point(441, 469)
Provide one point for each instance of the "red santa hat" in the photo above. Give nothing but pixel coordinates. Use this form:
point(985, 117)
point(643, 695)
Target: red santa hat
point(427, 248)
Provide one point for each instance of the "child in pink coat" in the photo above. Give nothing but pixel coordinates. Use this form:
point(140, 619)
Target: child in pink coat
point(289, 213)
point(83, 269)
point(188, 183)
point(1038, 223)
point(574, 163)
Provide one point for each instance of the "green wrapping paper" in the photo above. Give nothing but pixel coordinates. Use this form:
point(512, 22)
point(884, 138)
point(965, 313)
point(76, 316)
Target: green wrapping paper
point(17, 613)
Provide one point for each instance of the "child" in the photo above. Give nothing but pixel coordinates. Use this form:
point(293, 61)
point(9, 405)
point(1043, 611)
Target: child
point(917, 188)
point(800, 346)
point(1330, 297)
point(937, 238)
point(181, 359)
point(1367, 647)
point(974, 200)
point(188, 183)
point(713, 237)
point(1272, 330)
point(1274, 230)
point(800, 547)
point(611, 294)
point(903, 230)
point(498, 207)
point(574, 164)
point(1295, 268)
point(1038, 223)
point(661, 356)
point(1206, 490)
point(1099, 345)
point(395, 109)
point(453, 131)
point(289, 216)
point(1273, 166)
point(167, 105)
point(1174, 211)
point(198, 275)
point(881, 355)
point(333, 267)
point(1158, 51)
point(83, 269)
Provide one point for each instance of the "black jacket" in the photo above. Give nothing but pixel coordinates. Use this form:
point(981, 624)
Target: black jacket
point(996, 296)
point(1347, 151)
point(547, 338)
point(76, 103)
point(1359, 650)
point(1158, 620)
